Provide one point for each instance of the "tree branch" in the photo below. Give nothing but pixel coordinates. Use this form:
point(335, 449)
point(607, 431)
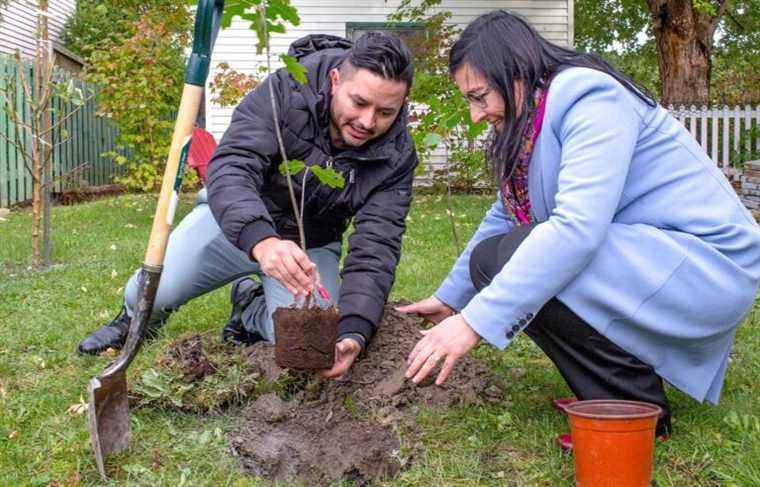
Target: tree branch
point(24, 83)
point(60, 121)
point(735, 20)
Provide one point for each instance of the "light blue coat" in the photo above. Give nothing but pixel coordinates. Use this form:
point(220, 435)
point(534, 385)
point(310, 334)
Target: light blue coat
point(639, 234)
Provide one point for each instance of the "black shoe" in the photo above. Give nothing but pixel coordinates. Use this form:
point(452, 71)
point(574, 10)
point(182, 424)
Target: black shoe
point(111, 335)
point(242, 295)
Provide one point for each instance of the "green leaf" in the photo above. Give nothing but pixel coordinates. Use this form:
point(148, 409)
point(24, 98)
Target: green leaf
point(475, 129)
point(328, 176)
point(294, 166)
point(452, 120)
point(236, 9)
point(297, 70)
point(283, 9)
point(431, 140)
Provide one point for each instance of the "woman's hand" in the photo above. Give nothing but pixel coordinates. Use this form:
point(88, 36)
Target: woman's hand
point(449, 340)
point(431, 308)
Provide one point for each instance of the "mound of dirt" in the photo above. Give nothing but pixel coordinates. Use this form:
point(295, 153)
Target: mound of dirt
point(303, 429)
point(348, 429)
point(198, 374)
point(191, 360)
point(81, 194)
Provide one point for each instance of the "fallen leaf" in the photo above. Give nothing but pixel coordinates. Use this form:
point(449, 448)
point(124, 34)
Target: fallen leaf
point(112, 247)
point(84, 289)
point(114, 274)
point(13, 434)
point(77, 408)
point(109, 352)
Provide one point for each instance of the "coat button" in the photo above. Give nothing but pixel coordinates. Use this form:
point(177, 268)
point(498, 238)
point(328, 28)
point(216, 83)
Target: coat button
point(510, 335)
point(522, 322)
point(529, 316)
point(515, 328)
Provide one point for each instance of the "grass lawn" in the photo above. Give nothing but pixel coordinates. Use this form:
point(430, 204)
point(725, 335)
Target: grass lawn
point(43, 433)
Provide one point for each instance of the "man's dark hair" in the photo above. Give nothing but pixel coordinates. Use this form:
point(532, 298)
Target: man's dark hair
point(382, 54)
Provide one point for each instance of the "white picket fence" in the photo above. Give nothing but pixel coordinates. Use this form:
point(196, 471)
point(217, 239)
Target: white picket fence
point(721, 131)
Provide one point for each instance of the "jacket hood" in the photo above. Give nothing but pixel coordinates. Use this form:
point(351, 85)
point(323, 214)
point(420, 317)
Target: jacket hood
point(317, 42)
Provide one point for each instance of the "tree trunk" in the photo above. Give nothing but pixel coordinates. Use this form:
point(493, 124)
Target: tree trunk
point(38, 149)
point(36, 202)
point(684, 38)
point(46, 62)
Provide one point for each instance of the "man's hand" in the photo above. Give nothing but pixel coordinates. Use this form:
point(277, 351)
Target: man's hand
point(449, 340)
point(346, 352)
point(431, 308)
point(285, 261)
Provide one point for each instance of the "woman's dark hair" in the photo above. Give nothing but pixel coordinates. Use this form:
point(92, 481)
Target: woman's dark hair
point(503, 47)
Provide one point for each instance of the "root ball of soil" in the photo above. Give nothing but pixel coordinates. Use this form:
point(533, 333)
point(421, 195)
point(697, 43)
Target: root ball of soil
point(305, 337)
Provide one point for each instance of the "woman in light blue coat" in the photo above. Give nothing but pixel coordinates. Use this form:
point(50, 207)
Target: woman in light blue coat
point(614, 243)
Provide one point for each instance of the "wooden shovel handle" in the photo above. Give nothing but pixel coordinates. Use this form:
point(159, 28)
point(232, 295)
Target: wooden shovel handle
point(183, 128)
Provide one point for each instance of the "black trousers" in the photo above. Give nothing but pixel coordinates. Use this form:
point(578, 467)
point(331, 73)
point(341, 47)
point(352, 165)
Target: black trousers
point(592, 366)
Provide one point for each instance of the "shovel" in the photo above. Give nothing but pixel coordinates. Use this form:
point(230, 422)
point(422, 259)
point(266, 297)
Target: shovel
point(108, 408)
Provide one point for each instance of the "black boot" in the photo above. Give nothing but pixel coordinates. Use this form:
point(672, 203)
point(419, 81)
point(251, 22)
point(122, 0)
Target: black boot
point(111, 335)
point(242, 295)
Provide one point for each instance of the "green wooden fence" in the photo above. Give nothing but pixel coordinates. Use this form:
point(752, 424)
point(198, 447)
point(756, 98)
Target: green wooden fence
point(89, 137)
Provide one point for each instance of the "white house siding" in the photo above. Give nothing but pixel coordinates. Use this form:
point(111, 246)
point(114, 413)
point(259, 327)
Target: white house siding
point(18, 24)
point(236, 45)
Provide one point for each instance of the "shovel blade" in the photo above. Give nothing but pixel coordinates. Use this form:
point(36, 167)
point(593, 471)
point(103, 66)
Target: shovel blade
point(108, 413)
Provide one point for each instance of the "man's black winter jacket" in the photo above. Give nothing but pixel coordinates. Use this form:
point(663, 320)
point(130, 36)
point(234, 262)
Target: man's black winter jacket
point(249, 197)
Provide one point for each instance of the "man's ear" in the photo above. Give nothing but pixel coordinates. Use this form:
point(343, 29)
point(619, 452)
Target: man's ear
point(334, 79)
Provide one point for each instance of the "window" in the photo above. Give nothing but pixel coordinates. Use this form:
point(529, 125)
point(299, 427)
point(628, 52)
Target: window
point(413, 34)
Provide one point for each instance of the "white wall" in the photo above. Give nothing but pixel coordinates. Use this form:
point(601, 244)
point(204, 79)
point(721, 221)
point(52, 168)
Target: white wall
point(236, 45)
point(18, 25)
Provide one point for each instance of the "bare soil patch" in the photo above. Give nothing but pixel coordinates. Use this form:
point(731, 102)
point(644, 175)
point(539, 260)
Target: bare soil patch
point(302, 429)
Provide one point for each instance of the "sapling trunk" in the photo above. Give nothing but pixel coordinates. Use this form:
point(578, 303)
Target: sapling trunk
point(281, 145)
point(305, 337)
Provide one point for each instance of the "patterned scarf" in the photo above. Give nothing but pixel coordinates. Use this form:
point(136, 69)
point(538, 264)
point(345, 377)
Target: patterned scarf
point(514, 189)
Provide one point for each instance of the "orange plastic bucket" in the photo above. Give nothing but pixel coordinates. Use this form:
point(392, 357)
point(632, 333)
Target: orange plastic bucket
point(613, 442)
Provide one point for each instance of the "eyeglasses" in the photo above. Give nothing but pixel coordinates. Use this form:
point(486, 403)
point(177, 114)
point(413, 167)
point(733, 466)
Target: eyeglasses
point(481, 99)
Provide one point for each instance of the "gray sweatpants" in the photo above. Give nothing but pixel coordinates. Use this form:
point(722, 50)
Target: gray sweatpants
point(199, 259)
